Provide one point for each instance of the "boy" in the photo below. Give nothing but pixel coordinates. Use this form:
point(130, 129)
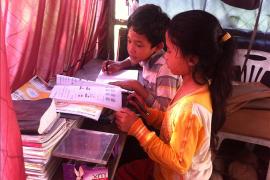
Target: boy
point(146, 31)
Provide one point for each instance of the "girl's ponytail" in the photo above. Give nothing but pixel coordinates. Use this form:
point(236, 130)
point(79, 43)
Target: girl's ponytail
point(221, 83)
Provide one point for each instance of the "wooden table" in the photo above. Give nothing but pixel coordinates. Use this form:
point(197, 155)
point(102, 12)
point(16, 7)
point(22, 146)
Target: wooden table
point(90, 72)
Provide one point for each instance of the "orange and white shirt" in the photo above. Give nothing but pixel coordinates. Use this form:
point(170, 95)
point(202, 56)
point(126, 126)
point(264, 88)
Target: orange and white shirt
point(183, 149)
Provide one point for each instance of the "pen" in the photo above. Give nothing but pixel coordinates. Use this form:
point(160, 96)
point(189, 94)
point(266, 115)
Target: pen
point(106, 66)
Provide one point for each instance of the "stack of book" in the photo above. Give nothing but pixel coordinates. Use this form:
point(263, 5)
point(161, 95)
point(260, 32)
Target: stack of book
point(37, 150)
point(42, 129)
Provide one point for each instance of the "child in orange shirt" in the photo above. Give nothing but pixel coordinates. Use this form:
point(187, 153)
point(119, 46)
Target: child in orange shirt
point(202, 53)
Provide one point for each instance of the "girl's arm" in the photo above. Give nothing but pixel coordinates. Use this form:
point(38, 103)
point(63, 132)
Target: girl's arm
point(177, 154)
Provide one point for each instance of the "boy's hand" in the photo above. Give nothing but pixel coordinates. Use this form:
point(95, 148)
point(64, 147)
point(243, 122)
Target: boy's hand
point(131, 85)
point(110, 67)
point(139, 104)
point(124, 119)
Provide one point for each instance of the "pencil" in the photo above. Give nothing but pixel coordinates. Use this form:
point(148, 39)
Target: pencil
point(106, 66)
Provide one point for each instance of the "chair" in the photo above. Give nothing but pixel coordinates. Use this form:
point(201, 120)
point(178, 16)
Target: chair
point(247, 124)
point(257, 68)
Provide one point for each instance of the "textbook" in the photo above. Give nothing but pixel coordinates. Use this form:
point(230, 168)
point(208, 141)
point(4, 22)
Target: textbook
point(44, 140)
point(36, 88)
point(86, 92)
point(86, 145)
point(37, 150)
point(77, 108)
point(35, 116)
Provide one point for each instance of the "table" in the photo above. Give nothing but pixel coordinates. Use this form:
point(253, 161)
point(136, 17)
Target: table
point(90, 72)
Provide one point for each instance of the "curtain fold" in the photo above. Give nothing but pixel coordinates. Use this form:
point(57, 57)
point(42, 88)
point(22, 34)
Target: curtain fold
point(11, 159)
point(43, 38)
point(48, 37)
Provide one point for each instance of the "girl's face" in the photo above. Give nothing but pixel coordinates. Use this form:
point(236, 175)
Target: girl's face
point(177, 63)
point(138, 46)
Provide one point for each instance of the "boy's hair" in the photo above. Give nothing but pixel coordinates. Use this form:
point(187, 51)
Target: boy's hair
point(199, 33)
point(151, 21)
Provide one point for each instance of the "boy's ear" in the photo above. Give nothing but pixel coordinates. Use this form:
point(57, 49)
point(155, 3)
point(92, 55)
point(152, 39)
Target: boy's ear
point(159, 46)
point(193, 60)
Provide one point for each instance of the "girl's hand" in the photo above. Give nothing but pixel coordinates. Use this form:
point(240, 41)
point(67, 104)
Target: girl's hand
point(124, 119)
point(110, 67)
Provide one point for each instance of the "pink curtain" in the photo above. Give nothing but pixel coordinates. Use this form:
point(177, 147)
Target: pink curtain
point(42, 37)
point(11, 160)
point(47, 37)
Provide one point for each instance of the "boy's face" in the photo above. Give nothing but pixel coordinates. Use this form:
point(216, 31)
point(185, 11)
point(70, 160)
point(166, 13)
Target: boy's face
point(138, 46)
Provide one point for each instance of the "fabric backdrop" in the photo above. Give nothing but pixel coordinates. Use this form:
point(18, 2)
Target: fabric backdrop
point(42, 37)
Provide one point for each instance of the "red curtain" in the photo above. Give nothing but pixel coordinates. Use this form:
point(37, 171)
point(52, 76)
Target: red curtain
point(43, 37)
point(11, 160)
point(47, 37)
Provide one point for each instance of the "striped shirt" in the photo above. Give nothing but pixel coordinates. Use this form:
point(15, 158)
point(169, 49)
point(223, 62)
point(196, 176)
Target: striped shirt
point(159, 81)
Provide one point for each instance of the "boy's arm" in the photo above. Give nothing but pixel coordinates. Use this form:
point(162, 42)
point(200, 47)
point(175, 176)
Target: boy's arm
point(166, 87)
point(126, 63)
point(111, 66)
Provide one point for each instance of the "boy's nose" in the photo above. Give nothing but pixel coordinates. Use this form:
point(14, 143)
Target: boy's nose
point(131, 49)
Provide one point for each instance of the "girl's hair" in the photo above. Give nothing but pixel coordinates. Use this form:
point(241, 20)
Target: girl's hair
point(151, 21)
point(199, 33)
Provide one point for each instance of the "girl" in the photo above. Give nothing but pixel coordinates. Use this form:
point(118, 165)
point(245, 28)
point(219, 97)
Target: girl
point(202, 53)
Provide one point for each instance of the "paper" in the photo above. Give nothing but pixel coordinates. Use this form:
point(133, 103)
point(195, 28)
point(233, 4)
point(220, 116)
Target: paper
point(123, 75)
point(87, 110)
point(72, 81)
point(34, 89)
point(105, 96)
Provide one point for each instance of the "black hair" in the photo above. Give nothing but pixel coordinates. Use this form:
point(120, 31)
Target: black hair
point(199, 33)
point(151, 21)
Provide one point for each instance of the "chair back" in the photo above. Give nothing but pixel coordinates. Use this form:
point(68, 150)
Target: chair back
point(257, 68)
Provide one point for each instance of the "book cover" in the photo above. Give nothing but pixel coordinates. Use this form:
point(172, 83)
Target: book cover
point(35, 116)
point(86, 110)
point(36, 88)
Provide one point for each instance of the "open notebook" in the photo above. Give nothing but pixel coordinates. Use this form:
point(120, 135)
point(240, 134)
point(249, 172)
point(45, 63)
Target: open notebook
point(80, 91)
point(119, 76)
